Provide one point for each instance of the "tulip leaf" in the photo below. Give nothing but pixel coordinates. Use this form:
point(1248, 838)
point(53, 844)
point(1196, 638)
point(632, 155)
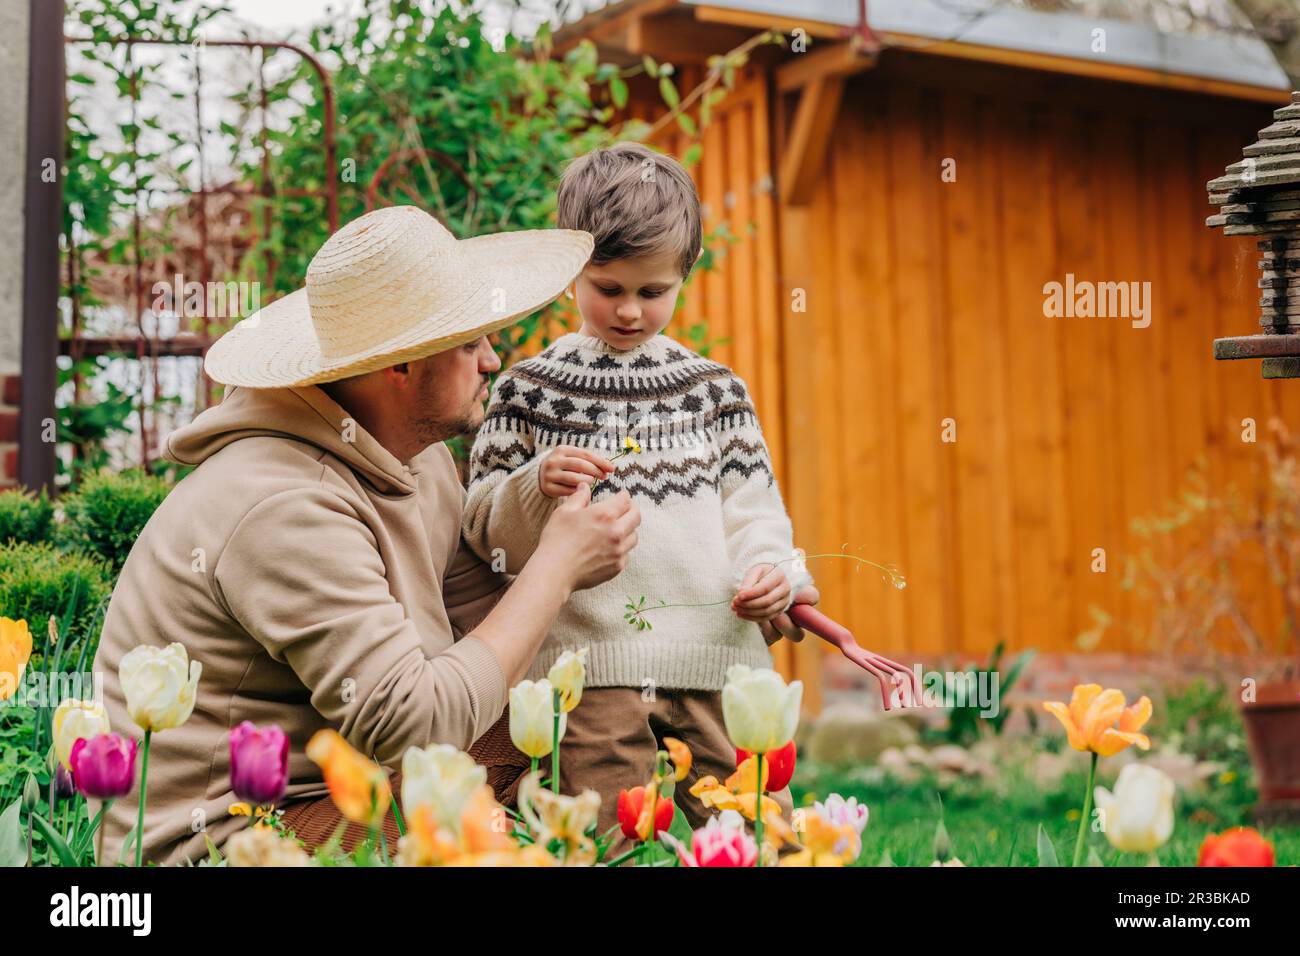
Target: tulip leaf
point(1093, 859)
point(12, 852)
point(56, 842)
point(214, 855)
point(128, 845)
point(1046, 852)
point(679, 828)
point(942, 843)
point(886, 860)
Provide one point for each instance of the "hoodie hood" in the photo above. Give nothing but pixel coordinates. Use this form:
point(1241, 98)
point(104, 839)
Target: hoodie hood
point(306, 415)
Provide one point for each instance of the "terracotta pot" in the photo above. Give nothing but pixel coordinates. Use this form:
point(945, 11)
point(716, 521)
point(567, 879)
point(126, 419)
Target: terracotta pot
point(1273, 734)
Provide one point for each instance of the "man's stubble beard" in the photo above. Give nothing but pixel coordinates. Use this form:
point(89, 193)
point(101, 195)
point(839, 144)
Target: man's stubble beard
point(431, 429)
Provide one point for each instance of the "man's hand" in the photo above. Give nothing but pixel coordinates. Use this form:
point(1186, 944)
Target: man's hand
point(566, 467)
point(782, 626)
point(588, 544)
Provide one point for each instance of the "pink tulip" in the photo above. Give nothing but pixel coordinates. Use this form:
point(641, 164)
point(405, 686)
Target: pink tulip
point(721, 842)
point(104, 766)
point(259, 763)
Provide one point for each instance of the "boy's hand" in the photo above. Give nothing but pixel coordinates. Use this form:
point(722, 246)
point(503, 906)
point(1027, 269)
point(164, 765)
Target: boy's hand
point(567, 467)
point(762, 595)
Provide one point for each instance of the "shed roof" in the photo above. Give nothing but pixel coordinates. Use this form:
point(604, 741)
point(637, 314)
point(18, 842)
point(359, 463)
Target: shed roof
point(1218, 52)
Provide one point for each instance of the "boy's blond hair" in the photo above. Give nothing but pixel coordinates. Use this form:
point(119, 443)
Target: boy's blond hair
point(634, 201)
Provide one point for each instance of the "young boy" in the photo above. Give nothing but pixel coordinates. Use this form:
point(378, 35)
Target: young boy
point(713, 524)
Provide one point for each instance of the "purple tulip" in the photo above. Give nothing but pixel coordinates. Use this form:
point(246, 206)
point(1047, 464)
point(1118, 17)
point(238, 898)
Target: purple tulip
point(259, 763)
point(64, 785)
point(104, 765)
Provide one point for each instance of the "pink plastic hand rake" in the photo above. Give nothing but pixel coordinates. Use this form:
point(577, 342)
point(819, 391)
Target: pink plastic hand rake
point(890, 674)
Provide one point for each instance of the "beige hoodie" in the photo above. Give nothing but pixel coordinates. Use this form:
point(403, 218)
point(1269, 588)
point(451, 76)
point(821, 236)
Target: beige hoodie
point(321, 583)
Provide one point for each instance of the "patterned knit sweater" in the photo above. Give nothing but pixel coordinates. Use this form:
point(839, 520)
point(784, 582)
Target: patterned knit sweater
point(710, 506)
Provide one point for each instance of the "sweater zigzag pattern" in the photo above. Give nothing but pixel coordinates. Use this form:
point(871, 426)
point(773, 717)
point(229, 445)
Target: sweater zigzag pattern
point(710, 505)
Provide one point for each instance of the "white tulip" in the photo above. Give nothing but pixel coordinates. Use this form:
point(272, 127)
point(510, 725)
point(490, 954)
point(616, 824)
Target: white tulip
point(441, 777)
point(532, 711)
point(761, 711)
point(1139, 816)
point(160, 685)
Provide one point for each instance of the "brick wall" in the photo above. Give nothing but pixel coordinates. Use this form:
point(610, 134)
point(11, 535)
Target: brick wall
point(1052, 676)
point(10, 387)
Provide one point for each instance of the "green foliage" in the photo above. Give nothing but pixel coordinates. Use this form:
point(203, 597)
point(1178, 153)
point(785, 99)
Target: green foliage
point(965, 722)
point(37, 581)
point(87, 425)
point(107, 512)
point(25, 517)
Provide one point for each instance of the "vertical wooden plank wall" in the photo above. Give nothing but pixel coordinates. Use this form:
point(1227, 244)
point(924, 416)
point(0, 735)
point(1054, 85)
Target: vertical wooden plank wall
point(926, 304)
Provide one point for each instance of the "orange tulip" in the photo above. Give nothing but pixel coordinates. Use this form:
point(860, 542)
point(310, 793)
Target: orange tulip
point(1240, 846)
point(15, 649)
point(359, 786)
point(1097, 720)
point(680, 755)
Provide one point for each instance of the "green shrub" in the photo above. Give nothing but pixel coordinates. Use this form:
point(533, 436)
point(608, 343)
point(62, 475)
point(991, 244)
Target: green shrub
point(38, 580)
point(25, 517)
point(107, 512)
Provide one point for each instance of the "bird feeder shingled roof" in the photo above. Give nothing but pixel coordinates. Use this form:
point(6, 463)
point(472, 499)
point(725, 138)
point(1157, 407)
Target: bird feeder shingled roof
point(1260, 196)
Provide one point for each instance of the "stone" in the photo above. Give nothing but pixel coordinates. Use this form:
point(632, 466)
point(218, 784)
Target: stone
point(852, 734)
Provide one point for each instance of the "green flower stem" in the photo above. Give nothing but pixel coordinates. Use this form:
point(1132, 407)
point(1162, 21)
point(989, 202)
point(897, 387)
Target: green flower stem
point(1087, 807)
point(97, 830)
point(555, 741)
point(758, 809)
point(893, 575)
point(139, 820)
point(615, 458)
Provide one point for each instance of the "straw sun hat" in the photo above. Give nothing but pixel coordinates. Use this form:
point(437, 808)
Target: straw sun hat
point(393, 286)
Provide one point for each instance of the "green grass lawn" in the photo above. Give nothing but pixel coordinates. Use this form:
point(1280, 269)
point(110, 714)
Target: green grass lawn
point(999, 828)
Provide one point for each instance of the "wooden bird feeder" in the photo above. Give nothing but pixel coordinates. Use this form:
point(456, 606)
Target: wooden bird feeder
point(1260, 196)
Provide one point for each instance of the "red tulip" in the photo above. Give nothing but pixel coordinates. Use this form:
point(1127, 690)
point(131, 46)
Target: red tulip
point(1240, 846)
point(104, 766)
point(259, 763)
point(630, 803)
point(779, 764)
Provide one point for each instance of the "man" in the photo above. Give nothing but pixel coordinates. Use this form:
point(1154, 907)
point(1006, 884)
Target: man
point(312, 561)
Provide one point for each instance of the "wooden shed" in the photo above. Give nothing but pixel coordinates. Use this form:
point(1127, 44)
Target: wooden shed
point(902, 213)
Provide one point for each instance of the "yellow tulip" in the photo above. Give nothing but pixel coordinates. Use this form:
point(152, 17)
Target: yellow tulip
point(77, 720)
point(359, 786)
point(760, 710)
point(15, 650)
point(567, 675)
point(1097, 720)
point(739, 793)
point(532, 712)
point(825, 842)
point(160, 685)
point(484, 838)
point(442, 777)
point(556, 816)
